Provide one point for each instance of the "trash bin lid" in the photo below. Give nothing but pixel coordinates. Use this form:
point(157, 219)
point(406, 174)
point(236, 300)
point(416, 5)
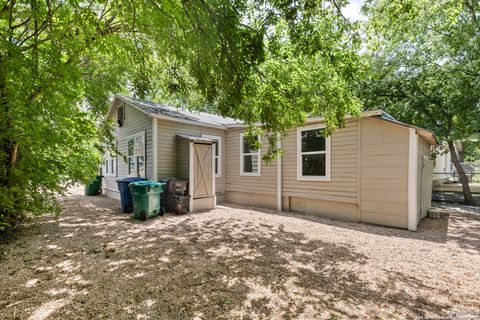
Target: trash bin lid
point(130, 179)
point(146, 183)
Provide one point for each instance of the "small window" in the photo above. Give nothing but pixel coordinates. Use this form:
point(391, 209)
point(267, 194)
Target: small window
point(136, 155)
point(250, 158)
point(217, 144)
point(313, 154)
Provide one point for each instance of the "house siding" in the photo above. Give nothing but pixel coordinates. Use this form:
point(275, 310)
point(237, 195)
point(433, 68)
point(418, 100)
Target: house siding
point(319, 197)
point(369, 168)
point(335, 198)
point(135, 122)
point(172, 156)
point(183, 158)
point(342, 186)
point(384, 173)
point(250, 190)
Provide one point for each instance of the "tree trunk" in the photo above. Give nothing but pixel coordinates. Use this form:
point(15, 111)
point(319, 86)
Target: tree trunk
point(467, 194)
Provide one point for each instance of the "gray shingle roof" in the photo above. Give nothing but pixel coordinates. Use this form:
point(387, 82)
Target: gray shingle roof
point(153, 108)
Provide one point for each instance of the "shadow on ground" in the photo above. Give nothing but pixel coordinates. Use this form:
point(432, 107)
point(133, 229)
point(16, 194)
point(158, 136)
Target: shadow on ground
point(96, 263)
point(458, 223)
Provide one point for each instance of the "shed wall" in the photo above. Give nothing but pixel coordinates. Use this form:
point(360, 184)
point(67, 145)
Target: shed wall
point(183, 158)
point(384, 173)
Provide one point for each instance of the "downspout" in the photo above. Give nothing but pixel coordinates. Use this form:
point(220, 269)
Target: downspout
point(279, 175)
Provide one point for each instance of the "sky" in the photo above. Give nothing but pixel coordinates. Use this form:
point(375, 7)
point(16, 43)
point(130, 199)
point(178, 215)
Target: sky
point(352, 10)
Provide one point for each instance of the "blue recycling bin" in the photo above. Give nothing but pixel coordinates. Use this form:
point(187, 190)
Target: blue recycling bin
point(126, 201)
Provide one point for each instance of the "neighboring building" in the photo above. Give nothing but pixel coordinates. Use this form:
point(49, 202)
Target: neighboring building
point(445, 169)
point(374, 170)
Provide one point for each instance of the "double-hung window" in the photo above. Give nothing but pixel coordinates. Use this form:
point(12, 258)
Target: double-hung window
point(136, 155)
point(110, 166)
point(250, 157)
point(217, 156)
point(313, 154)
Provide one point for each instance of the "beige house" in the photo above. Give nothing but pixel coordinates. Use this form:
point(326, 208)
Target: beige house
point(375, 169)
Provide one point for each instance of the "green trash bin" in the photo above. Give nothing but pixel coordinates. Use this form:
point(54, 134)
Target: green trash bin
point(93, 188)
point(146, 197)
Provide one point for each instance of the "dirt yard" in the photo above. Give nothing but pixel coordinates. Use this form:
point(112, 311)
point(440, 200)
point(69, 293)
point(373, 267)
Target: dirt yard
point(237, 263)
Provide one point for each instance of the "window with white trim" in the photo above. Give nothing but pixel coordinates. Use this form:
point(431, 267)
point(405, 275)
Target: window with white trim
point(110, 166)
point(217, 144)
point(136, 155)
point(250, 158)
point(313, 154)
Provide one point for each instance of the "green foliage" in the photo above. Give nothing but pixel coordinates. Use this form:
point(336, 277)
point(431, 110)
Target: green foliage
point(271, 63)
point(308, 61)
point(471, 151)
point(425, 65)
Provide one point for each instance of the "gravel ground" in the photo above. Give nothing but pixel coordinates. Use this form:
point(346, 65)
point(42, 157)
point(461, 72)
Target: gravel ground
point(237, 263)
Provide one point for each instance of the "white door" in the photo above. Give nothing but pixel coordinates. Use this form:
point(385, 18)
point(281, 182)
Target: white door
point(202, 171)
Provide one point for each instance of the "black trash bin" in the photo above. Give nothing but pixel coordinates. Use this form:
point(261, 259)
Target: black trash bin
point(182, 204)
point(174, 187)
point(126, 201)
point(95, 187)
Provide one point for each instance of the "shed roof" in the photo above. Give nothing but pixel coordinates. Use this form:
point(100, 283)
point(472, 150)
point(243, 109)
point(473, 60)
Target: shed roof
point(194, 138)
point(424, 133)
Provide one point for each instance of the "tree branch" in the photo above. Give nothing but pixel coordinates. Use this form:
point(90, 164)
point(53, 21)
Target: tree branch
point(20, 24)
point(7, 6)
point(470, 7)
point(43, 26)
point(340, 13)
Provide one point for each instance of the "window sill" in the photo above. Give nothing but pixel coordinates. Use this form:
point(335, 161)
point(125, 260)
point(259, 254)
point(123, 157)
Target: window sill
point(246, 174)
point(314, 178)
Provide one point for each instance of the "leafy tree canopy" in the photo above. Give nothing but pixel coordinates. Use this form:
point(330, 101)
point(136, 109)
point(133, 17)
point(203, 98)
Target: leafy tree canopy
point(273, 62)
point(425, 65)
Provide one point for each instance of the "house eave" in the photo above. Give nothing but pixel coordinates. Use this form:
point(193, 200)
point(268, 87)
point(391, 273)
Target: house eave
point(163, 117)
point(203, 124)
point(315, 119)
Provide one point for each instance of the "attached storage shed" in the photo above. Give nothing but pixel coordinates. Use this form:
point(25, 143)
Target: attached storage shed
point(195, 163)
